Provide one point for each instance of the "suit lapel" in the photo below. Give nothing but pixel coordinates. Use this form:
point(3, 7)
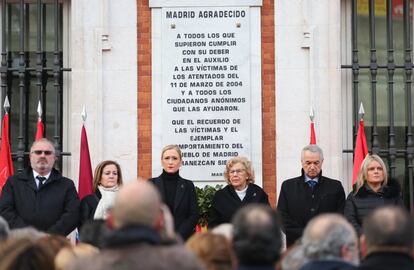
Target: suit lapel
point(179, 193)
point(52, 177)
point(29, 179)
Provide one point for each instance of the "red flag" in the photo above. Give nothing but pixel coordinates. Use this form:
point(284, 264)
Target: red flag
point(85, 168)
point(312, 134)
point(6, 164)
point(361, 150)
point(39, 129)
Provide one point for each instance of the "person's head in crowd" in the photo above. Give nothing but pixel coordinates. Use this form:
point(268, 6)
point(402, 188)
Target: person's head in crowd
point(4, 229)
point(67, 255)
point(166, 226)
point(171, 158)
point(257, 239)
point(373, 173)
point(24, 254)
point(93, 232)
point(53, 243)
point(239, 172)
point(388, 228)
point(330, 237)
point(225, 229)
point(137, 203)
point(312, 159)
point(293, 258)
point(26, 232)
point(42, 156)
point(213, 250)
point(107, 174)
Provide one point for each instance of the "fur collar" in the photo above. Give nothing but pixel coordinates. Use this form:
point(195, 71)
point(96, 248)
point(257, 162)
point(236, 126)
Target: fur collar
point(392, 189)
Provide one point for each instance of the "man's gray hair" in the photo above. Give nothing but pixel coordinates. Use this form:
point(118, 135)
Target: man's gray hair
point(325, 235)
point(43, 140)
point(311, 148)
point(294, 258)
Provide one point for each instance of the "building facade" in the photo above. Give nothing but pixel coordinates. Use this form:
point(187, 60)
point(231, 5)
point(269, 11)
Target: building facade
point(323, 56)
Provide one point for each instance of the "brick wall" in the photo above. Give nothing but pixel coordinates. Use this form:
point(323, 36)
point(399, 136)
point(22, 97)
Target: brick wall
point(268, 101)
point(268, 95)
point(144, 88)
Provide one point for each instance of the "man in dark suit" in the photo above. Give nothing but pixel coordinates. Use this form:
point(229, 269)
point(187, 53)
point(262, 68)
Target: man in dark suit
point(40, 196)
point(303, 197)
point(388, 240)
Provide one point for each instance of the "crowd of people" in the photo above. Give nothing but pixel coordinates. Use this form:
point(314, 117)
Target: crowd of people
point(149, 224)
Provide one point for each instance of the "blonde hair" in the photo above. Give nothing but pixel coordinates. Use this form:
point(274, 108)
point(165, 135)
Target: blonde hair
point(99, 171)
point(247, 166)
point(172, 147)
point(362, 175)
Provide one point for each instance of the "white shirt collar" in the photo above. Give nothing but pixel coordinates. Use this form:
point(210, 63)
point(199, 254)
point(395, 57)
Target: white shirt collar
point(35, 174)
point(307, 178)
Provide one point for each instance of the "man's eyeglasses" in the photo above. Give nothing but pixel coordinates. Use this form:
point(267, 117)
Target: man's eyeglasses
point(39, 152)
point(238, 171)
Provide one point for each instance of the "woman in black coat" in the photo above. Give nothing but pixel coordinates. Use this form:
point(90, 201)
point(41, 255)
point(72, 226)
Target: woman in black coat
point(106, 181)
point(240, 191)
point(177, 193)
point(372, 189)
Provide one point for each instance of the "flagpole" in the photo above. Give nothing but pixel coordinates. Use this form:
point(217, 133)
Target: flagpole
point(6, 162)
point(311, 114)
point(312, 126)
point(85, 184)
point(361, 112)
point(361, 147)
point(6, 105)
point(40, 128)
point(84, 115)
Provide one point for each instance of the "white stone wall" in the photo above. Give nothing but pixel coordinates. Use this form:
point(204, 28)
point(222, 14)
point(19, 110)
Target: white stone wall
point(103, 57)
point(308, 73)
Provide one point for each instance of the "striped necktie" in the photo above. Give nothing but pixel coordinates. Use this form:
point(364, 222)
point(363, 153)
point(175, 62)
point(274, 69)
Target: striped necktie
point(41, 181)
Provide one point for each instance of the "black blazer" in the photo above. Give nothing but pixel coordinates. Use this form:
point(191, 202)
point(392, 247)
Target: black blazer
point(54, 208)
point(88, 206)
point(185, 205)
point(226, 202)
point(298, 203)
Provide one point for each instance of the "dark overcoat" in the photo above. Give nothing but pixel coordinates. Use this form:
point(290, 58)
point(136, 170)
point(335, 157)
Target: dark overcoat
point(298, 203)
point(226, 202)
point(185, 210)
point(359, 205)
point(54, 208)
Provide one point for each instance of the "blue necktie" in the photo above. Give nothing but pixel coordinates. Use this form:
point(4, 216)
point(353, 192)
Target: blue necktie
point(312, 183)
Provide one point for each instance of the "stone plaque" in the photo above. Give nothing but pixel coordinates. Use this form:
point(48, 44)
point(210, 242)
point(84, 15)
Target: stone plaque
point(206, 90)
